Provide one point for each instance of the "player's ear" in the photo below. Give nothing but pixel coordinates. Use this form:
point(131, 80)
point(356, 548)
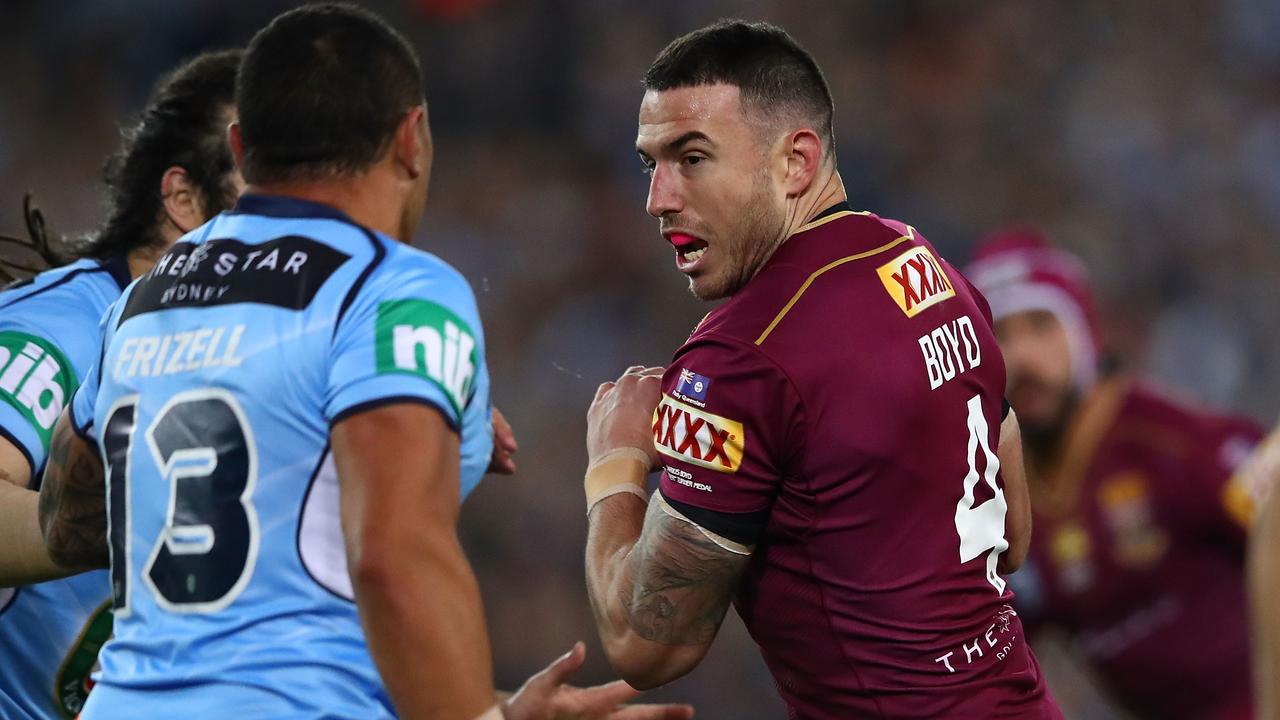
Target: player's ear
point(180, 199)
point(412, 143)
point(237, 145)
point(804, 158)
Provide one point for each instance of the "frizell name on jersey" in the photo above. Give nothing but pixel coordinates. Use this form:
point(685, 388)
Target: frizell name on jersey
point(156, 355)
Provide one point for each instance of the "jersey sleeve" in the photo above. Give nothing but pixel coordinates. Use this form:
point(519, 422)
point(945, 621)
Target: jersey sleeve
point(412, 334)
point(83, 405)
point(36, 382)
point(727, 428)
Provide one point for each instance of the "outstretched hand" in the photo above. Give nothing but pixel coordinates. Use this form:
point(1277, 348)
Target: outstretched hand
point(548, 696)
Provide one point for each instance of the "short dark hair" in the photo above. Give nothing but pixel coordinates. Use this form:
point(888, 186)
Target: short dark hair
point(183, 124)
point(770, 69)
point(321, 92)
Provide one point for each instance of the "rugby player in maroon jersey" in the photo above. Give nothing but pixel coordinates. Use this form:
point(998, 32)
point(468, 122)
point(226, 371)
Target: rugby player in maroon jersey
point(836, 456)
point(1140, 528)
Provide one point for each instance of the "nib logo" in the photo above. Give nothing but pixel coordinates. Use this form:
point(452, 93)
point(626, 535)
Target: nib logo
point(915, 280)
point(35, 379)
point(417, 337)
point(686, 433)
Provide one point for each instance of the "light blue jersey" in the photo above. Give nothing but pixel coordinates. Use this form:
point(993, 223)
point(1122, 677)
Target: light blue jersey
point(49, 337)
point(224, 369)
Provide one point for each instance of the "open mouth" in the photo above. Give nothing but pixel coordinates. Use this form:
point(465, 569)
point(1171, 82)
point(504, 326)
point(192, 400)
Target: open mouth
point(689, 249)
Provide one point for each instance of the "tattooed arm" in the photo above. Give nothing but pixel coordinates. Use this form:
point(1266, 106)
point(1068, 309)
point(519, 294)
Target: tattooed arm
point(659, 588)
point(659, 585)
point(73, 504)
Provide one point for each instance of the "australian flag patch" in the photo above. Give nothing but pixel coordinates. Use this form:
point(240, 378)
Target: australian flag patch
point(692, 385)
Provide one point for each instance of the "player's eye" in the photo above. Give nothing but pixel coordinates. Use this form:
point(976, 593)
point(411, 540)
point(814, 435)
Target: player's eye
point(693, 159)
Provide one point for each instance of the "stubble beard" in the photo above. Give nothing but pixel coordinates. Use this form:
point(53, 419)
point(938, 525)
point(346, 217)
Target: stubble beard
point(1043, 439)
point(747, 247)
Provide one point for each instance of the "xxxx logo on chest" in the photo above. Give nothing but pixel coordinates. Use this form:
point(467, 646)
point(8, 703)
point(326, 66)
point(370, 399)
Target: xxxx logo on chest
point(686, 433)
point(915, 280)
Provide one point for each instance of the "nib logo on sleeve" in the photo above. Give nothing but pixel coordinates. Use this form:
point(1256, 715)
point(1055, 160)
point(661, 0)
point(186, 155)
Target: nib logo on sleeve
point(35, 379)
point(418, 337)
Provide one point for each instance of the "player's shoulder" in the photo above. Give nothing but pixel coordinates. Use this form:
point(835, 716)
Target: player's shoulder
point(1147, 405)
point(409, 272)
point(412, 291)
point(63, 307)
point(86, 281)
point(842, 261)
point(847, 232)
point(411, 263)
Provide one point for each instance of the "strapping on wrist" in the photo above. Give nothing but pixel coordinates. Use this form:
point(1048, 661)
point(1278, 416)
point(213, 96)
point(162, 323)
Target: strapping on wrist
point(618, 471)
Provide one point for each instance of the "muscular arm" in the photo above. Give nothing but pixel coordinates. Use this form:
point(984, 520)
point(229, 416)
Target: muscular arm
point(418, 599)
point(659, 588)
point(73, 503)
point(1017, 497)
point(23, 557)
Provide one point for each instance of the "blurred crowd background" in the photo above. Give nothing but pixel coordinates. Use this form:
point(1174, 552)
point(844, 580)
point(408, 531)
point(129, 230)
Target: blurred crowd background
point(1144, 136)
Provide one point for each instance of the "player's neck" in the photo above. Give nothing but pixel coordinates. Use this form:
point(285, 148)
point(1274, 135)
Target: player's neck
point(820, 196)
point(141, 259)
point(367, 199)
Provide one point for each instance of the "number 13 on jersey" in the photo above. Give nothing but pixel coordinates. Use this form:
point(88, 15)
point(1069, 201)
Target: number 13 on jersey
point(202, 448)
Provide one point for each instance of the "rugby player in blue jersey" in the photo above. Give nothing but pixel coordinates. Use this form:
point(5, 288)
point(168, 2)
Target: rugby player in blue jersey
point(173, 172)
point(291, 405)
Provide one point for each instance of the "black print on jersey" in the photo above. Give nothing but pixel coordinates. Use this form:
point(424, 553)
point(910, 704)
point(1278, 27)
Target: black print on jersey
point(286, 272)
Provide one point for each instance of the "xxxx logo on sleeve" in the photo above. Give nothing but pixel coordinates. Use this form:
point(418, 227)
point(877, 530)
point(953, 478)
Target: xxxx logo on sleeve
point(418, 337)
point(36, 379)
point(686, 433)
point(915, 280)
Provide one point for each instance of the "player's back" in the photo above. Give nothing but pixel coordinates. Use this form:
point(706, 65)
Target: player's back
point(873, 590)
point(50, 632)
point(223, 371)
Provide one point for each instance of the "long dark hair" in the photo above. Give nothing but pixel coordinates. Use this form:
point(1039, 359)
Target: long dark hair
point(184, 125)
point(20, 258)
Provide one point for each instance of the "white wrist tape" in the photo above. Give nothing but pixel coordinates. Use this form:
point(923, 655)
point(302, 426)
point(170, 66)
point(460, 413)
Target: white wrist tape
point(618, 471)
point(636, 454)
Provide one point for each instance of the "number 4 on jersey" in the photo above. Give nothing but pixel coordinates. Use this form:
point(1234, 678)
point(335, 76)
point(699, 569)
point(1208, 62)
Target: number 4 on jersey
point(981, 528)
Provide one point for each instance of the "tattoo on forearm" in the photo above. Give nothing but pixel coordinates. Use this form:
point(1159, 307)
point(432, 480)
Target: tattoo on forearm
point(73, 505)
point(684, 582)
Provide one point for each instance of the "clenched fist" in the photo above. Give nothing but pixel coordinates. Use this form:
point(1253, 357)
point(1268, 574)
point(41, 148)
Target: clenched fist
point(621, 416)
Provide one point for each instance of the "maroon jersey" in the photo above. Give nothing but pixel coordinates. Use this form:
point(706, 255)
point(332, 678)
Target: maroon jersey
point(1139, 547)
point(840, 414)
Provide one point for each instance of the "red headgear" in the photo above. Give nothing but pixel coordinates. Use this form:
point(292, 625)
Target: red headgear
point(1018, 270)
